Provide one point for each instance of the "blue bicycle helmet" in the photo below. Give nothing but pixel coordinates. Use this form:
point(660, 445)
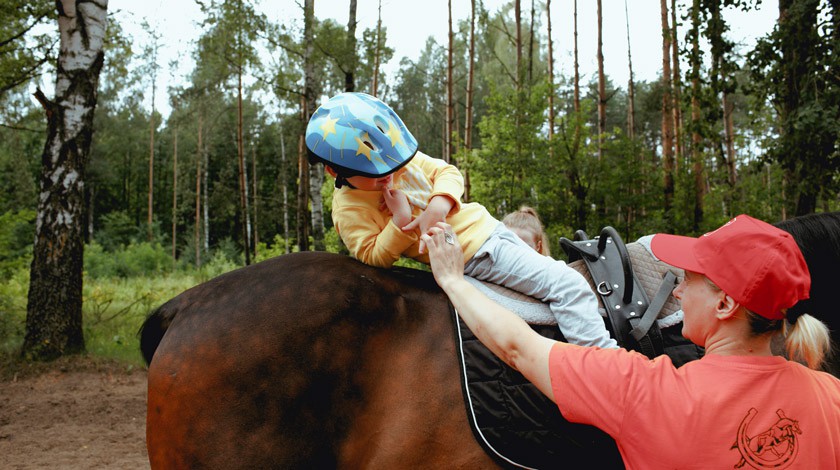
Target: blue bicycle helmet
point(358, 135)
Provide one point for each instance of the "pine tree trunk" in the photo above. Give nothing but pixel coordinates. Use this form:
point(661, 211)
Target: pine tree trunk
point(350, 74)
point(577, 67)
point(243, 185)
point(197, 228)
point(675, 67)
point(550, 80)
point(631, 88)
point(205, 175)
point(602, 87)
point(450, 102)
point(667, 121)
point(375, 83)
point(54, 306)
point(254, 196)
point(174, 196)
point(469, 109)
point(696, 136)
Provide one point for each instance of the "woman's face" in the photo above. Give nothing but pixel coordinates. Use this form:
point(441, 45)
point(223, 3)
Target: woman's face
point(527, 236)
point(699, 300)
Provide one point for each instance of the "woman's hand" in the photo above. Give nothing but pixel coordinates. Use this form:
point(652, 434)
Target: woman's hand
point(436, 211)
point(396, 202)
point(445, 255)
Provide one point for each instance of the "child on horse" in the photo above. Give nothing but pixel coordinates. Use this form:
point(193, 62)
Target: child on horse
point(388, 194)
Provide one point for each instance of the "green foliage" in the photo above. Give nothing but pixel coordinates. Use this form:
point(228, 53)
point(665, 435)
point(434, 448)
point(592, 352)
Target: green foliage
point(135, 259)
point(16, 233)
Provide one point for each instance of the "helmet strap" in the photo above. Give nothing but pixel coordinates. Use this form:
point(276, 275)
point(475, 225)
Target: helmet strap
point(342, 181)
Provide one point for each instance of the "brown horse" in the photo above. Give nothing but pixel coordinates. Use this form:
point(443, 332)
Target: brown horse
point(316, 360)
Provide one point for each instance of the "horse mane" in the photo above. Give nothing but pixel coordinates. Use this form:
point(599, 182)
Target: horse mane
point(818, 237)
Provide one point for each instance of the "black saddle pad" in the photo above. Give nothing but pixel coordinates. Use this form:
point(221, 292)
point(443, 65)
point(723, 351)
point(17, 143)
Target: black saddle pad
point(518, 425)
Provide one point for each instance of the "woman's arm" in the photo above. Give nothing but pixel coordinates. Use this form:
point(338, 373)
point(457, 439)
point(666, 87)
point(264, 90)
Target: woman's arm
point(501, 330)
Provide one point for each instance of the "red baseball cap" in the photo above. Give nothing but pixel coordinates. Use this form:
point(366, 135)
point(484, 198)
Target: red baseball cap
point(757, 264)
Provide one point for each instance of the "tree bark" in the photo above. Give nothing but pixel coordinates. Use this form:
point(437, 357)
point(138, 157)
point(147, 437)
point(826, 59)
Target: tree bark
point(54, 307)
point(667, 121)
point(316, 172)
point(174, 197)
point(450, 101)
point(550, 80)
point(696, 125)
point(303, 185)
point(676, 85)
point(255, 196)
point(602, 87)
point(631, 88)
point(375, 83)
point(150, 215)
point(197, 227)
point(243, 185)
point(469, 108)
point(350, 74)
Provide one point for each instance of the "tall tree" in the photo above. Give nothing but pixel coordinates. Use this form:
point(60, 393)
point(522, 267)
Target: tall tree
point(697, 125)
point(676, 84)
point(174, 195)
point(450, 99)
point(631, 89)
point(375, 85)
point(577, 64)
point(468, 120)
point(316, 172)
point(350, 71)
point(152, 55)
point(54, 307)
point(602, 87)
point(667, 120)
point(550, 74)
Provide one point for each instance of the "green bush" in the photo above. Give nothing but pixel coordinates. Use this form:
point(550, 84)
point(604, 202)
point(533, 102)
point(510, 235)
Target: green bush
point(136, 259)
point(17, 232)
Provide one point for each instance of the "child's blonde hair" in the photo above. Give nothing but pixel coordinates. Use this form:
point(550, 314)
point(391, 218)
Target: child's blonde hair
point(526, 218)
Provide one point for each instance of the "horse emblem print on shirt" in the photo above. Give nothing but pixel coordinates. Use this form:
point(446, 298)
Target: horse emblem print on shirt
point(774, 448)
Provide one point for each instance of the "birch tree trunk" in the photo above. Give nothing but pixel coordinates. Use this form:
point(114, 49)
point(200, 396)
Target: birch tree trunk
point(150, 211)
point(54, 306)
point(254, 196)
point(316, 172)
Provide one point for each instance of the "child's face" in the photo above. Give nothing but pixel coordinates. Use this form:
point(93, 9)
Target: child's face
point(371, 184)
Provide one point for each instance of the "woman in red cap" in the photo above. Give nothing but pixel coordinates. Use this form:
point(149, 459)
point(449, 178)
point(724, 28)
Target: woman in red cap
point(738, 405)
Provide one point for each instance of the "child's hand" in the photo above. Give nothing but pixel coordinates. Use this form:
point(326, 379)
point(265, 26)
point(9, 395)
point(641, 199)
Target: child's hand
point(397, 203)
point(437, 210)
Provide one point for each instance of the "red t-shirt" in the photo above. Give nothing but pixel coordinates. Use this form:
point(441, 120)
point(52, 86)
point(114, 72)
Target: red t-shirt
point(716, 412)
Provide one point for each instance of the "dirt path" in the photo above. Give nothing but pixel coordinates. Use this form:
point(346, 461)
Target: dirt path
point(75, 414)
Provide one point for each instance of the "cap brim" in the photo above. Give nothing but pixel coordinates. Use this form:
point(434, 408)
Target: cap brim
point(677, 251)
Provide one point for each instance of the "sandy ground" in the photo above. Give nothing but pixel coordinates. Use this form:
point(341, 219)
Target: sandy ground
point(73, 414)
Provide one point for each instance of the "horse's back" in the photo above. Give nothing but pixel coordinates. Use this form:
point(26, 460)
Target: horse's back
point(309, 360)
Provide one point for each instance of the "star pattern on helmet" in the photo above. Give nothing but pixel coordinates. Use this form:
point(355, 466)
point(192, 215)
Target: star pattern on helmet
point(363, 147)
point(394, 134)
point(329, 126)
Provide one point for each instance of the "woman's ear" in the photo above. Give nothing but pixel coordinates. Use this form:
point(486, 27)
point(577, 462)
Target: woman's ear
point(330, 171)
point(726, 307)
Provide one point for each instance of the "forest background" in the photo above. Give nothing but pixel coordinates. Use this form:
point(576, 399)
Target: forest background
point(222, 180)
